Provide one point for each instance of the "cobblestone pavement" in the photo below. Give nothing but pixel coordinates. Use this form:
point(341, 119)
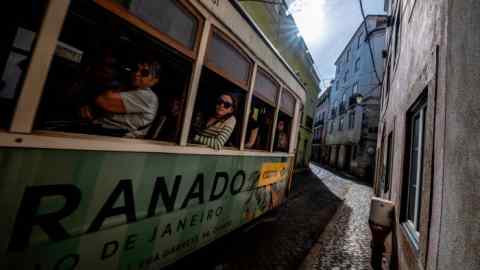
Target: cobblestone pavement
point(345, 243)
point(283, 241)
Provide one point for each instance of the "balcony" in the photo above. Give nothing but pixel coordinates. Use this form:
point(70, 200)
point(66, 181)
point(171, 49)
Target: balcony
point(319, 123)
point(333, 114)
point(352, 101)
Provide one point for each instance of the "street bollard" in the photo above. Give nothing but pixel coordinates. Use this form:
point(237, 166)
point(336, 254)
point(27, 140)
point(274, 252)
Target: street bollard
point(380, 222)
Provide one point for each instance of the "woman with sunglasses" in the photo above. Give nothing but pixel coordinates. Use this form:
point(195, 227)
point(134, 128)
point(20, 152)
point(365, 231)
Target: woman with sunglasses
point(216, 130)
point(130, 113)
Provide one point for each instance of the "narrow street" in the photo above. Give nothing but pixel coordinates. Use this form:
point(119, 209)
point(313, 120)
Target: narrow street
point(345, 243)
point(322, 226)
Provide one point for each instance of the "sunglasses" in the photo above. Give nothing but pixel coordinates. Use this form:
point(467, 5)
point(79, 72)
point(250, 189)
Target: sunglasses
point(225, 104)
point(144, 72)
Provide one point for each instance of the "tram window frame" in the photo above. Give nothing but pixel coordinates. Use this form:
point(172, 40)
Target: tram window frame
point(288, 126)
point(184, 64)
point(32, 24)
point(269, 106)
point(243, 91)
point(269, 109)
point(287, 117)
point(205, 102)
point(148, 28)
point(225, 37)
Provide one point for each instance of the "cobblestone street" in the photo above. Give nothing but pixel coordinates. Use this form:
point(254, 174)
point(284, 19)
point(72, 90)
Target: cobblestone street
point(345, 243)
point(322, 226)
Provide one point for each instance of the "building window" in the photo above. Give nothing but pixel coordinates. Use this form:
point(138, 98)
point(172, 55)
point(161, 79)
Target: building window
point(359, 40)
point(381, 21)
point(346, 76)
point(340, 124)
point(411, 204)
point(332, 123)
point(348, 56)
point(338, 85)
point(355, 88)
point(357, 65)
point(309, 122)
point(351, 120)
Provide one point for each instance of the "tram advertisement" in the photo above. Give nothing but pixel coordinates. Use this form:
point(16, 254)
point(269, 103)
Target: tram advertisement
point(107, 210)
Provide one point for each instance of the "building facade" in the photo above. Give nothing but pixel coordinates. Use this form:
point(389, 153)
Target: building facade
point(428, 147)
point(355, 100)
point(279, 27)
point(320, 151)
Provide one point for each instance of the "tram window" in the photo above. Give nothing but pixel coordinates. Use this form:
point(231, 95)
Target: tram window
point(100, 78)
point(281, 143)
point(260, 125)
point(208, 112)
point(287, 104)
point(284, 122)
point(169, 17)
point(222, 53)
point(18, 38)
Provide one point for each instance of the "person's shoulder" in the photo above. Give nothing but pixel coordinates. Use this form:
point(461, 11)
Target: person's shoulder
point(145, 93)
point(231, 120)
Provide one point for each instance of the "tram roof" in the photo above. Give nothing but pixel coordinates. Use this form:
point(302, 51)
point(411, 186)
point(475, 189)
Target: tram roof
point(227, 17)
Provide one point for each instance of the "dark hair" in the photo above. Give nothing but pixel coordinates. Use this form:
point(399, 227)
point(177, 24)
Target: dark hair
point(234, 102)
point(155, 67)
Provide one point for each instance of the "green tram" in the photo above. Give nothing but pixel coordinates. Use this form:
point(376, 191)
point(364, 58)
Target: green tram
point(81, 200)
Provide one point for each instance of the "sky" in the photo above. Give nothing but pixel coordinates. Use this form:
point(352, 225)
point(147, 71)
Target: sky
point(327, 26)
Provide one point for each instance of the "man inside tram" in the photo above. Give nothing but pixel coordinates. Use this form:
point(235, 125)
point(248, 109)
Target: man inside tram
point(281, 138)
point(252, 130)
point(126, 112)
point(215, 130)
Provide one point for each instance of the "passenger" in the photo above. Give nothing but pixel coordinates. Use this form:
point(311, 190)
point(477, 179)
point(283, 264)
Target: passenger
point(281, 137)
point(252, 131)
point(169, 129)
point(129, 113)
point(100, 76)
point(216, 130)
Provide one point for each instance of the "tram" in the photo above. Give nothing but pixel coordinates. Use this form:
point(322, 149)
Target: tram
point(90, 200)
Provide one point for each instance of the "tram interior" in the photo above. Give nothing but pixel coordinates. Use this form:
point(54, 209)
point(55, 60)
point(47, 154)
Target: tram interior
point(282, 140)
point(263, 115)
point(95, 41)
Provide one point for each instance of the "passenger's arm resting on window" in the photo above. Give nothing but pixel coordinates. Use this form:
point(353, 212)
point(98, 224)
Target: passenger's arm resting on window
point(110, 101)
point(252, 139)
point(217, 142)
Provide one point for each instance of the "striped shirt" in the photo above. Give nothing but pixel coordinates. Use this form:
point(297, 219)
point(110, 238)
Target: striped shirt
point(216, 135)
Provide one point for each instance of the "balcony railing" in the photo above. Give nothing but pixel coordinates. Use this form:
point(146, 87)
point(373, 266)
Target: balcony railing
point(333, 114)
point(319, 123)
point(352, 101)
point(342, 108)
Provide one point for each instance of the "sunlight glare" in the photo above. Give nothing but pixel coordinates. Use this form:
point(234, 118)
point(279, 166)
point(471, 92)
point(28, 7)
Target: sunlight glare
point(310, 18)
